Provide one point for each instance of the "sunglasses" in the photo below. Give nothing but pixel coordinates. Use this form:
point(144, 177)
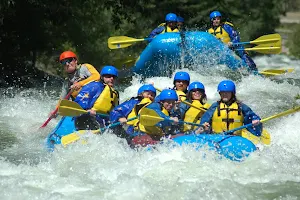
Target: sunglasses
point(67, 60)
point(169, 101)
point(109, 76)
point(197, 90)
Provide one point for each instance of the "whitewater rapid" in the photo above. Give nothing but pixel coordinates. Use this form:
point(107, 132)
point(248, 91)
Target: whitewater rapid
point(106, 168)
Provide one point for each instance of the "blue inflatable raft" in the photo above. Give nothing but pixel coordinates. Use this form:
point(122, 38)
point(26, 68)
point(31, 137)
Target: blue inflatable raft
point(235, 148)
point(65, 126)
point(171, 51)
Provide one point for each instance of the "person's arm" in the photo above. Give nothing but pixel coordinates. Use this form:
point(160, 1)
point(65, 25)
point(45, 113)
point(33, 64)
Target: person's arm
point(155, 32)
point(90, 72)
point(233, 34)
point(122, 111)
point(206, 119)
point(182, 109)
point(207, 116)
point(251, 117)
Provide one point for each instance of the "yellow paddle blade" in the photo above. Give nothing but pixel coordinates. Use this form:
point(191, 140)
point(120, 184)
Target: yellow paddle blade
point(275, 72)
point(273, 48)
point(267, 39)
point(280, 71)
point(265, 137)
point(68, 139)
point(73, 137)
point(149, 117)
point(118, 42)
point(70, 111)
point(124, 63)
point(69, 103)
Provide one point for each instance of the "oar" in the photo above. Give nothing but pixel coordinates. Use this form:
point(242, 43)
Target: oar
point(265, 48)
point(73, 109)
point(55, 111)
point(118, 42)
point(149, 117)
point(125, 63)
point(271, 38)
point(187, 103)
point(73, 137)
point(265, 137)
point(275, 72)
point(287, 112)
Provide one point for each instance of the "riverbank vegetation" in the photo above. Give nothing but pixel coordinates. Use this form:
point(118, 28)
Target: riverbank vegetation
point(34, 32)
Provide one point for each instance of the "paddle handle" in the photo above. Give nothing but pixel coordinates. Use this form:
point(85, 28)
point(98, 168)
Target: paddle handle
point(117, 124)
point(237, 129)
point(130, 41)
point(240, 43)
point(55, 111)
point(190, 123)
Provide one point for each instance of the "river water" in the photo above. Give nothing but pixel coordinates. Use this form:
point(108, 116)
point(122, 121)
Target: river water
point(106, 168)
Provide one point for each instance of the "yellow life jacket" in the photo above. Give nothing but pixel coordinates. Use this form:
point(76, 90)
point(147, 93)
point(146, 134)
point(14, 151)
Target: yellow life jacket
point(136, 110)
point(194, 115)
point(152, 130)
point(108, 99)
point(181, 95)
point(226, 118)
point(168, 29)
point(220, 33)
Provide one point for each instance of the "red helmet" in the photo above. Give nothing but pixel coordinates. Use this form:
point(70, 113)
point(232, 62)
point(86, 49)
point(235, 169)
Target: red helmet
point(67, 54)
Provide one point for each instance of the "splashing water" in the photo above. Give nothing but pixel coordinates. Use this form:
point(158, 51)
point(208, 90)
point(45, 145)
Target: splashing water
point(106, 168)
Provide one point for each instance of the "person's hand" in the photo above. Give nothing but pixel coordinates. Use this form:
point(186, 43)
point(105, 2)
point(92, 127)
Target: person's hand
point(92, 112)
point(174, 119)
point(122, 120)
point(205, 127)
point(75, 86)
point(255, 122)
point(199, 130)
point(229, 44)
point(53, 114)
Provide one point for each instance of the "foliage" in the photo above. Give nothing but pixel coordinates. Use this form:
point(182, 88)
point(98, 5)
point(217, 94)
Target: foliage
point(32, 30)
point(294, 42)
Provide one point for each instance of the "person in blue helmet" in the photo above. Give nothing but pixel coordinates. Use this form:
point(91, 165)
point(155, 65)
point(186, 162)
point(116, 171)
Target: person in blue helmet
point(170, 25)
point(197, 97)
point(101, 98)
point(180, 23)
point(229, 113)
point(227, 34)
point(130, 109)
point(181, 82)
point(152, 134)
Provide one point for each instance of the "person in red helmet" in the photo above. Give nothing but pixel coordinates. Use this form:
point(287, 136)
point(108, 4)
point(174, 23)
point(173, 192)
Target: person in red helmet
point(79, 76)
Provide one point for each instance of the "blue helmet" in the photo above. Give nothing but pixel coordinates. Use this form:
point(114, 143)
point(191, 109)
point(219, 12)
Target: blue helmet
point(214, 14)
point(226, 86)
point(184, 76)
point(171, 17)
point(147, 87)
point(180, 19)
point(168, 94)
point(111, 70)
point(196, 85)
